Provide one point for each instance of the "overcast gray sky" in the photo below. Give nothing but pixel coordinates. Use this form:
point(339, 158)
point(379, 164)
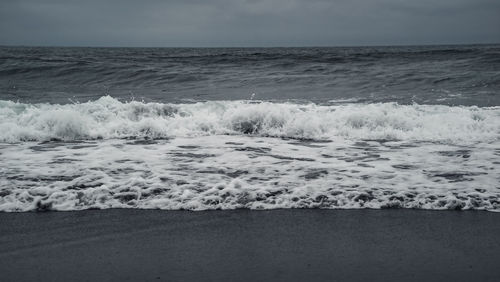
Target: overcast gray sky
point(173, 23)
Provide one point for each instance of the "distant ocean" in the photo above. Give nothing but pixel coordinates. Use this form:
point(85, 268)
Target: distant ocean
point(257, 128)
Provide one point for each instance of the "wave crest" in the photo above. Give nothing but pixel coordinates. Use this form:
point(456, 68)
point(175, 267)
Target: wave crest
point(108, 118)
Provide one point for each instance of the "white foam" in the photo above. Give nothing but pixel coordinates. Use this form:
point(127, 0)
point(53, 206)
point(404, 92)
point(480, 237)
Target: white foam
point(228, 172)
point(223, 155)
point(108, 118)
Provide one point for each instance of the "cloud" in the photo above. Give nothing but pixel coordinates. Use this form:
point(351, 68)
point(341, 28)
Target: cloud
point(248, 22)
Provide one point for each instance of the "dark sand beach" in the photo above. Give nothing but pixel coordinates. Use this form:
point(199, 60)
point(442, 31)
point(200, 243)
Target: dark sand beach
point(243, 245)
point(249, 141)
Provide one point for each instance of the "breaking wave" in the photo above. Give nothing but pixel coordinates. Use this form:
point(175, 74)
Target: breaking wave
point(108, 118)
point(222, 155)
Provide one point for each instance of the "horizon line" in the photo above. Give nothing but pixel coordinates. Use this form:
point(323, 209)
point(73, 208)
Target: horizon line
point(252, 47)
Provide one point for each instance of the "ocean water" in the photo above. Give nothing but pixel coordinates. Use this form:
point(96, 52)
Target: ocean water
point(258, 128)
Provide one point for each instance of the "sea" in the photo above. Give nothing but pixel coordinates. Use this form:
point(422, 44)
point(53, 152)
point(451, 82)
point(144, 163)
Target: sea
point(406, 127)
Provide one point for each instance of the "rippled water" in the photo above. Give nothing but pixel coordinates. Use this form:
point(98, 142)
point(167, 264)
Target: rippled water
point(451, 75)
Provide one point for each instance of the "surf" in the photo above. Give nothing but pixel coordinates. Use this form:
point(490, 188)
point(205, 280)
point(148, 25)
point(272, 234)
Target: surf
point(110, 118)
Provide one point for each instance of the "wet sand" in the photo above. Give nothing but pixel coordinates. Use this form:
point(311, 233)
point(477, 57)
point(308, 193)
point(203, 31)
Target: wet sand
point(243, 245)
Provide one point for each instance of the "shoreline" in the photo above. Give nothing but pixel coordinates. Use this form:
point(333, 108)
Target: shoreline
point(243, 245)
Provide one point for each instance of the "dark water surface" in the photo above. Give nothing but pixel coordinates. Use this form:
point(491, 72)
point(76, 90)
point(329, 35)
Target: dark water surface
point(451, 75)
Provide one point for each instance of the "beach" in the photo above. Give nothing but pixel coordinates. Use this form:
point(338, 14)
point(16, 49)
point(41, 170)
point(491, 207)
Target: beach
point(245, 245)
point(249, 141)
point(361, 163)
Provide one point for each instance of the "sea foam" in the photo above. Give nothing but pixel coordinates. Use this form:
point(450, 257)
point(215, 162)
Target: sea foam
point(108, 118)
point(255, 155)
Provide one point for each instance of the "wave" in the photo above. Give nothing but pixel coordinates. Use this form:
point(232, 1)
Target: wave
point(109, 118)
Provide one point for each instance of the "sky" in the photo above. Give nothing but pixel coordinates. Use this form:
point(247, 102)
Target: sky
point(253, 23)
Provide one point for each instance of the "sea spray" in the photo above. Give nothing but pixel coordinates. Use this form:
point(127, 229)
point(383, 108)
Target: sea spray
point(108, 118)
